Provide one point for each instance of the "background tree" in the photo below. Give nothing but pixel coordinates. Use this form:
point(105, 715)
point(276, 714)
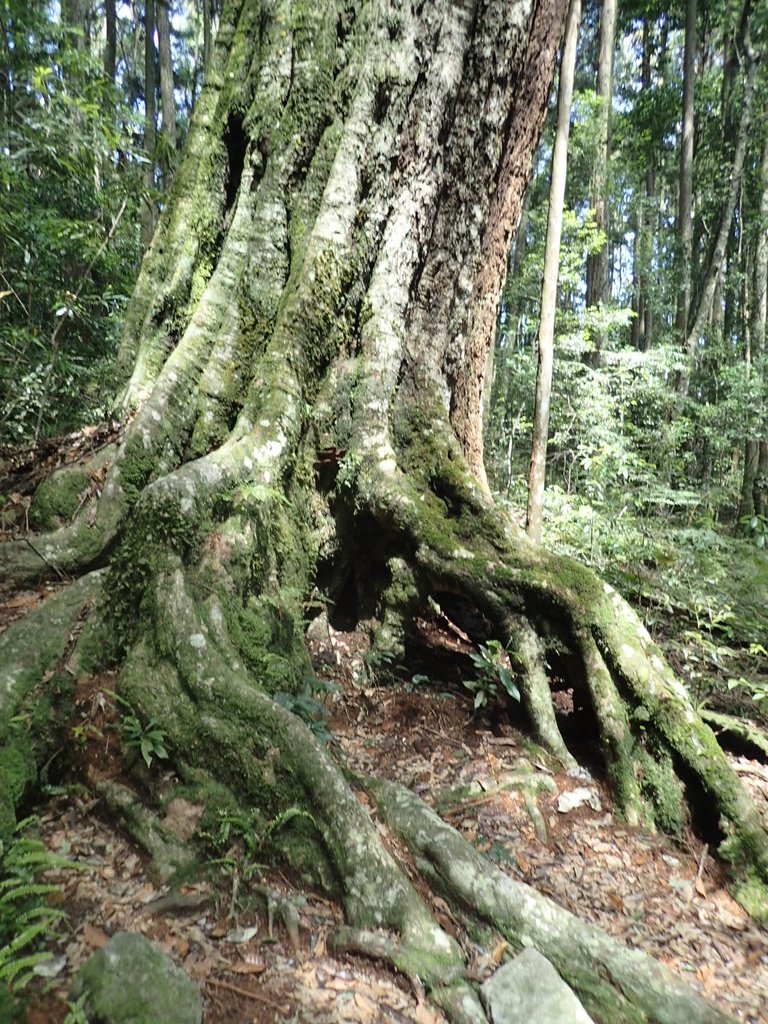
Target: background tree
point(711, 270)
point(685, 202)
point(68, 172)
point(150, 122)
point(598, 266)
point(546, 335)
point(167, 101)
point(72, 126)
point(110, 49)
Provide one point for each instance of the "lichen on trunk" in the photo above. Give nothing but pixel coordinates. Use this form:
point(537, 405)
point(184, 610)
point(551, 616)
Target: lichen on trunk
point(301, 359)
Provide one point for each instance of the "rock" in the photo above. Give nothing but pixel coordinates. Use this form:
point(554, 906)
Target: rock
point(529, 989)
point(129, 981)
point(573, 798)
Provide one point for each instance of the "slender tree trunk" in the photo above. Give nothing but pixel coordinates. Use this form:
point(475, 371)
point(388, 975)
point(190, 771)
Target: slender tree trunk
point(598, 271)
point(110, 49)
point(685, 201)
point(74, 16)
point(546, 337)
point(645, 304)
point(754, 486)
point(638, 292)
point(499, 433)
point(150, 122)
point(207, 36)
point(167, 100)
point(702, 311)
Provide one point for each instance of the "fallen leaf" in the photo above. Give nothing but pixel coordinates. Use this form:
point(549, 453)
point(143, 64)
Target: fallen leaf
point(424, 1014)
point(615, 900)
point(94, 937)
point(241, 935)
point(249, 967)
point(499, 950)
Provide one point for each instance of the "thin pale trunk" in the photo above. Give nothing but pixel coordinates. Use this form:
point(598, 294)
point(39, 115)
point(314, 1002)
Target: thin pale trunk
point(598, 273)
point(638, 296)
point(150, 126)
point(546, 340)
point(167, 101)
point(685, 206)
point(645, 307)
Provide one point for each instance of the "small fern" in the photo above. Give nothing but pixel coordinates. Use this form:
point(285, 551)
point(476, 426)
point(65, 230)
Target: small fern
point(25, 915)
point(76, 1014)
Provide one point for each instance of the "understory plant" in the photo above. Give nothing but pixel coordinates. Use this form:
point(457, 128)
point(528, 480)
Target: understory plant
point(145, 737)
point(494, 674)
point(26, 915)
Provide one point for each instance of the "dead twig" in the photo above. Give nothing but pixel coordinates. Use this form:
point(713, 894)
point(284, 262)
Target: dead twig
point(42, 557)
point(248, 993)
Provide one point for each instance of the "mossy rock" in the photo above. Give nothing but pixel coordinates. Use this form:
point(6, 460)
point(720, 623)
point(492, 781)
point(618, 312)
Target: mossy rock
point(129, 981)
point(58, 498)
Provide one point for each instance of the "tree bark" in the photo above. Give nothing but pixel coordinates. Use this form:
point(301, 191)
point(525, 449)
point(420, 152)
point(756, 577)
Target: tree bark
point(299, 331)
point(642, 326)
point(167, 101)
point(702, 311)
point(598, 271)
point(546, 337)
point(73, 14)
point(150, 122)
point(754, 485)
point(207, 35)
point(685, 201)
point(110, 49)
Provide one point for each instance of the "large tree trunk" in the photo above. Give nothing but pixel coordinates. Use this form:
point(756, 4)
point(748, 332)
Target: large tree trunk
point(314, 303)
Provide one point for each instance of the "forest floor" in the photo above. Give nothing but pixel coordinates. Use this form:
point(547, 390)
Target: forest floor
point(667, 898)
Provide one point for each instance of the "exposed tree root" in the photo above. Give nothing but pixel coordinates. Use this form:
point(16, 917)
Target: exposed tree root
point(193, 668)
point(529, 660)
point(615, 983)
point(736, 729)
point(658, 752)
